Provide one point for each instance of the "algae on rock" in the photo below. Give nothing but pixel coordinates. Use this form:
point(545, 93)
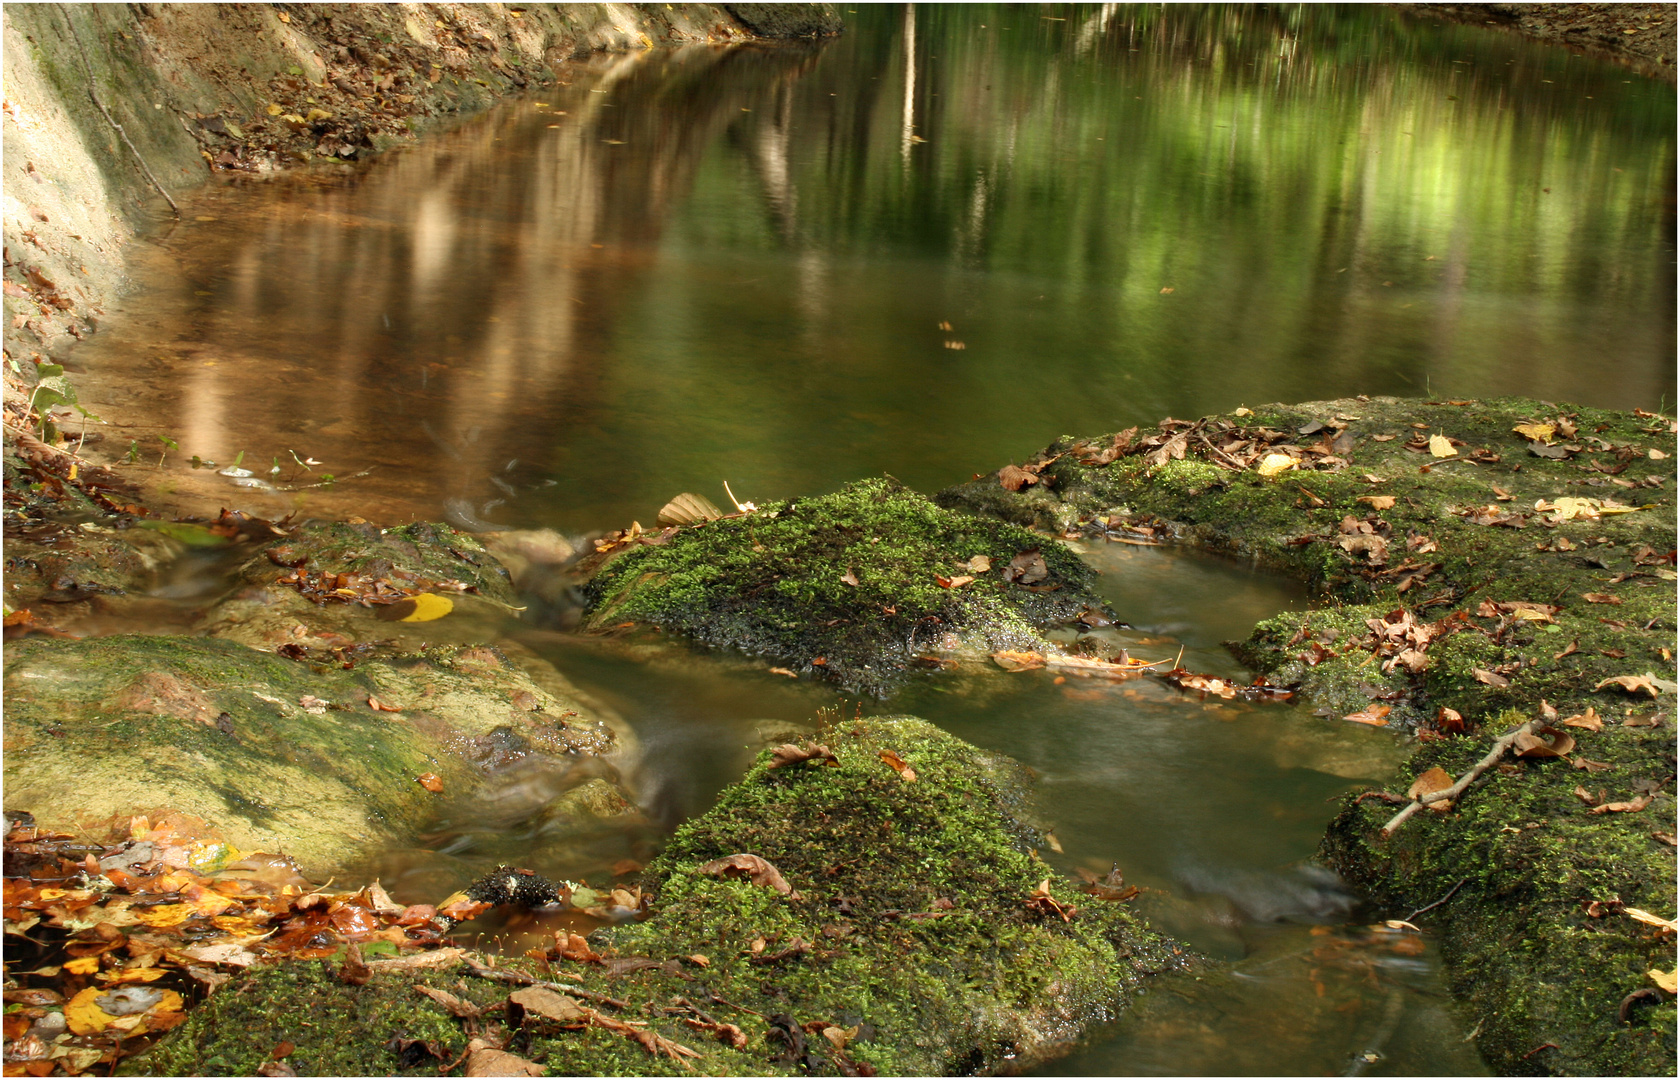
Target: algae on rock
point(908, 929)
point(277, 755)
point(847, 583)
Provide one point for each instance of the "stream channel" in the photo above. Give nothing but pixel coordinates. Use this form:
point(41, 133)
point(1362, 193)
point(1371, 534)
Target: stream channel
point(926, 248)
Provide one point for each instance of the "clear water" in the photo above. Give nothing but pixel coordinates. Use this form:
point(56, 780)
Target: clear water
point(924, 249)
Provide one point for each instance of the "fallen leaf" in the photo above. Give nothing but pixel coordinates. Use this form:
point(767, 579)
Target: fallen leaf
point(1482, 675)
point(1440, 446)
point(1664, 979)
point(783, 671)
point(789, 754)
point(1371, 714)
point(688, 509)
point(752, 867)
point(1633, 684)
point(379, 706)
point(850, 578)
point(1590, 720)
point(1436, 779)
point(899, 765)
point(1588, 797)
point(1591, 766)
point(1014, 478)
point(486, 1061)
point(953, 582)
point(431, 782)
point(1626, 808)
point(1450, 721)
point(1377, 502)
point(980, 564)
point(1572, 648)
point(83, 1016)
point(1600, 598)
point(1010, 660)
point(1274, 464)
point(1649, 919)
point(549, 1005)
point(422, 608)
point(1534, 432)
point(1026, 568)
point(1538, 745)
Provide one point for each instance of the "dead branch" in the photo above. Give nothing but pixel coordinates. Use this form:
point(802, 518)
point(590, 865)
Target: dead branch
point(1500, 745)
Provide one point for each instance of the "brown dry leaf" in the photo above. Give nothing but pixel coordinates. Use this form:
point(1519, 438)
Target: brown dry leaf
point(561, 1008)
point(454, 1005)
point(753, 868)
point(1649, 919)
point(783, 671)
point(1017, 661)
point(789, 754)
point(379, 706)
point(575, 947)
point(1436, 779)
point(1633, 684)
point(1026, 568)
point(899, 765)
point(1450, 721)
point(1378, 502)
point(1371, 714)
point(431, 782)
point(688, 509)
point(1014, 478)
point(1571, 649)
point(485, 1061)
point(953, 582)
point(849, 578)
point(1538, 745)
point(1625, 808)
point(1600, 598)
point(1590, 765)
point(1588, 797)
point(1482, 675)
point(728, 1034)
point(1590, 720)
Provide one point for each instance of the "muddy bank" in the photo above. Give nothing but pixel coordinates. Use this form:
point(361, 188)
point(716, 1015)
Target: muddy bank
point(1637, 36)
point(1482, 564)
point(867, 904)
point(188, 92)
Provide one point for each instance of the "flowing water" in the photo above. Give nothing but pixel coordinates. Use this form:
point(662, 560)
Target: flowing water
point(927, 248)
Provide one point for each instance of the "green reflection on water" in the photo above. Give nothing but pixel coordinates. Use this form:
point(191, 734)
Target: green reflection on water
point(713, 264)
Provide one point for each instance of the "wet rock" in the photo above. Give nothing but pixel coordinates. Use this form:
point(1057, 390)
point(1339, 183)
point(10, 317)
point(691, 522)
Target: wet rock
point(313, 761)
point(918, 890)
point(65, 563)
point(854, 586)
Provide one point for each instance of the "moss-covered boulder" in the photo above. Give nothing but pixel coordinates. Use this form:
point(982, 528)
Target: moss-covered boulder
point(905, 932)
point(308, 759)
point(284, 592)
point(1498, 559)
point(855, 586)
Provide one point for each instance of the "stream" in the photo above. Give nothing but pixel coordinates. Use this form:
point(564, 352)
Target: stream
point(926, 248)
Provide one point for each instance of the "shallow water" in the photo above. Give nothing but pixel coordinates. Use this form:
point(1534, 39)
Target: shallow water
point(926, 248)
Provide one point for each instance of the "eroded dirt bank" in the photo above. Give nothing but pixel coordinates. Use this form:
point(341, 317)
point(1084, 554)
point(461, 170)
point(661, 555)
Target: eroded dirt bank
point(184, 91)
point(1637, 36)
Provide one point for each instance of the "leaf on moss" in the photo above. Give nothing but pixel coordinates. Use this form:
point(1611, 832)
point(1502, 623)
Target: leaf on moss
point(1274, 465)
point(1633, 684)
point(754, 868)
point(1600, 598)
point(1486, 677)
point(1377, 502)
point(1027, 568)
point(1545, 742)
point(1664, 979)
point(1649, 919)
point(1436, 779)
point(1014, 478)
point(899, 765)
point(1626, 808)
point(789, 754)
point(1590, 720)
point(1440, 446)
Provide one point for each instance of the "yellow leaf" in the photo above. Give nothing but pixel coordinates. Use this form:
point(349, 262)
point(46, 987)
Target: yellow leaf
point(1568, 509)
point(274, 110)
point(1649, 919)
point(165, 915)
point(1441, 446)
point(1536, 432)
point(317, 114)
point(129, 975)
point(1273, 464)
point(1664, 979)
point(1378, 502)
point(422, 608)
point(85, 965)
point(83, 1016)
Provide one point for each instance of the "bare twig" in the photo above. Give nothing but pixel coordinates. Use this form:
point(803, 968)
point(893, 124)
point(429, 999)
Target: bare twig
point(484, 971)
point(1438, 903)
point(94, 94)
point(1500, 745)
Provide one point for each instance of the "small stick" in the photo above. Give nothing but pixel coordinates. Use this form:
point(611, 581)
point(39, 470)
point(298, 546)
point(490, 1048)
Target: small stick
point(504, 975)
point(1437, 903)
point(1500, 745)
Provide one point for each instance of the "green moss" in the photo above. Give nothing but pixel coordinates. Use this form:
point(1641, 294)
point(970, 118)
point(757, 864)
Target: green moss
point(775, 584)
point(1529, 965)
point(911, 897)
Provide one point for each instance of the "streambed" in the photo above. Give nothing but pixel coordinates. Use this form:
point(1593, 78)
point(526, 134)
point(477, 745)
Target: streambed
point(915, 251)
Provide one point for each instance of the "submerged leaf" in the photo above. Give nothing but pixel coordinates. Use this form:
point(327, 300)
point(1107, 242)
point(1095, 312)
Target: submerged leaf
point(422, 608)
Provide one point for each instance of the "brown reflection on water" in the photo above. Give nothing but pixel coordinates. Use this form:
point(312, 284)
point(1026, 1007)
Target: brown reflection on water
point(427, 316)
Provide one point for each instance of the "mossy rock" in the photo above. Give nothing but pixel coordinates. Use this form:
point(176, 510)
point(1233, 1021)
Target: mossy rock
point(1528, 964)
point(65, 562)
point(908, 922)
point(277, 755)
point(264, 613)
point(779, 583)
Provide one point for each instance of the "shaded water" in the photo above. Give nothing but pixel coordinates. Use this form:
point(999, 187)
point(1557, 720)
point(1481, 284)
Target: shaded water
point(926, 248)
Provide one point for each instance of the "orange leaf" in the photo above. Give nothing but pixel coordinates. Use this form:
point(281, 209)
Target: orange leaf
point(899, 765)
point(1370, 714)
point(431, 782)
point(379, 706)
